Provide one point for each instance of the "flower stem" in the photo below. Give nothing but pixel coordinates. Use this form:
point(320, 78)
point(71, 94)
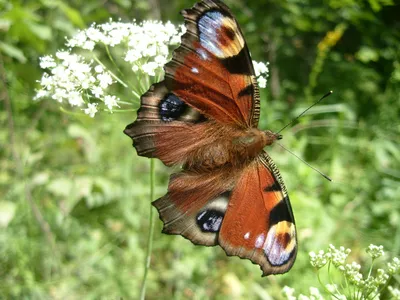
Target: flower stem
point(383, 287)
point(151, 233)
point(323, 285)
point(370, 269)
point(113, 61)
point(111, 73)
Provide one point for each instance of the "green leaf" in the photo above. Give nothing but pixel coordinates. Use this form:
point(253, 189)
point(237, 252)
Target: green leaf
point(7, 212)
point(367, 54)
point(5, 24)
point(13, 52)
point(72, 14)
point(41, 31)
point(60, 187)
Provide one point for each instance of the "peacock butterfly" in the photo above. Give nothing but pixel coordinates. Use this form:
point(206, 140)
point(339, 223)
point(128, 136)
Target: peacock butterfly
point(204, 116)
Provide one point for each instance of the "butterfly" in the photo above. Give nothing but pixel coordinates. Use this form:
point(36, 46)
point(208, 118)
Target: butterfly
point(203, 116)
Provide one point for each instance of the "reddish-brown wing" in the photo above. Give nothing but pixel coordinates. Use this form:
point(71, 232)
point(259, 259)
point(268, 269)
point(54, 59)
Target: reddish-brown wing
point(247, 213)
point(212, 71)
point(209, 81)
point(195, 205)
point(259, 223)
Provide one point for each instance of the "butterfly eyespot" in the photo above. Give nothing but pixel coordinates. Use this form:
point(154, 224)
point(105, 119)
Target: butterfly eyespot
point(171, 108)
point(229, 32)
point(280, 243)
point(210, 220)
point(284, 239)
point(219, 35)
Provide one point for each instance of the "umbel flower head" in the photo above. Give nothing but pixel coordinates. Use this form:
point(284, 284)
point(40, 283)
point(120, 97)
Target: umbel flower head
point(353, 283)
point(80, 76)
point(77, 76)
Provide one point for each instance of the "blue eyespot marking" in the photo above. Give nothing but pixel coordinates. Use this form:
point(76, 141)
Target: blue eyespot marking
point(210, 220)
point(208, 26)
point(171, 108)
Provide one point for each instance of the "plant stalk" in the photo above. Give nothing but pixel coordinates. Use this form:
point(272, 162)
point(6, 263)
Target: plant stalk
point(151, 233)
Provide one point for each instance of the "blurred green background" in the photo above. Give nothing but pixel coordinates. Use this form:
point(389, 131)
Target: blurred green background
point(74, 196)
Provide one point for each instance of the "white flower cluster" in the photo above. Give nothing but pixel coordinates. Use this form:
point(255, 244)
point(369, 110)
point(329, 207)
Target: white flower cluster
point(146, 44)
point(338, 256)
point(394, 266)
point(356, 285)
point(375, 251)
point(318, 260)
point(395, 292)
point(352, 272)
point(71, 78)
point(315, 294)
point(381, 277)
point(79, 81)
point(288, 292)
point(262, 73)
point(83, 80)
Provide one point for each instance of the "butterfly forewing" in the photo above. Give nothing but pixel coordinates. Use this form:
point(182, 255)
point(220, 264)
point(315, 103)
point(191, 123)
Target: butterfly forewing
point(162, 116)
point(201, 84)
point(212, 70)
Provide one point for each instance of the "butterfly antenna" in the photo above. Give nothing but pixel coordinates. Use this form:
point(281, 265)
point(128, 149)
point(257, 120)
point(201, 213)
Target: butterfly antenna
point(291, 122)
point(316, 170)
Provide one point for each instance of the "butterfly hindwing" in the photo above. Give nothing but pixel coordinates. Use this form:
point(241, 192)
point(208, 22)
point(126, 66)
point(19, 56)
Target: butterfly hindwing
point(259, 223)
point(248, 214)
point(195, 205)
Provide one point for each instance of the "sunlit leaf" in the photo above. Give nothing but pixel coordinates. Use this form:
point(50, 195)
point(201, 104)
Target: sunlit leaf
point(13, 52)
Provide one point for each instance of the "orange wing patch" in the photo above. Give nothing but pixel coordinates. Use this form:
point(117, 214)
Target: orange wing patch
point(259, 224)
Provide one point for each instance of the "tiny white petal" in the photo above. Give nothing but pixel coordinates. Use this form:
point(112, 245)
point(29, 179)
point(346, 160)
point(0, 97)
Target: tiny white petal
point(91, 110)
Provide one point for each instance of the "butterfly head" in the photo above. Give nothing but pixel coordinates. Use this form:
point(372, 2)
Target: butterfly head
point(271, 137)
point(278, 136)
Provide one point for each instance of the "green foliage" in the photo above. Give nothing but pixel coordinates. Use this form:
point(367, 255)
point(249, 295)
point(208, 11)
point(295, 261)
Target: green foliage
point(74, 197)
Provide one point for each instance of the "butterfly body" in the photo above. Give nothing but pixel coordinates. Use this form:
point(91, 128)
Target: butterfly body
point(203, 116)
point(212, 146)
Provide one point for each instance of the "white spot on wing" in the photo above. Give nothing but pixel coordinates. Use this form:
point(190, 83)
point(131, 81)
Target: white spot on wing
point(201, 215)
point(247, 236)
point(203, 54)
point(259, 240)
point(195, 70)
